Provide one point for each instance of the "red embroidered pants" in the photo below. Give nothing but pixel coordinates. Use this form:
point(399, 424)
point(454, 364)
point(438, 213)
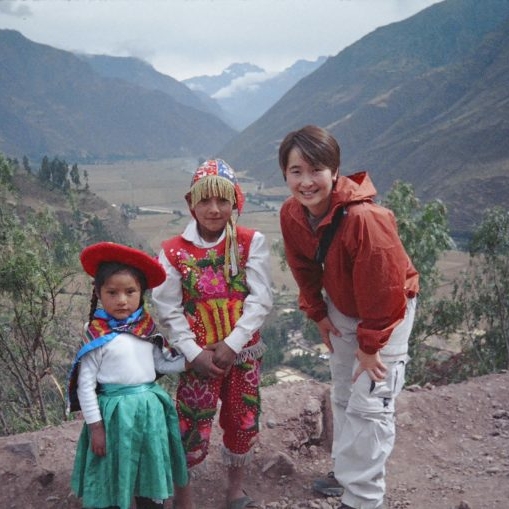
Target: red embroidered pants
point(197, 399)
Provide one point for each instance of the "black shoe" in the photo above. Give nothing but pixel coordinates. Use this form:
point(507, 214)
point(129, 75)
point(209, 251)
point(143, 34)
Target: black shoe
point(147, 503)
point(328, 486)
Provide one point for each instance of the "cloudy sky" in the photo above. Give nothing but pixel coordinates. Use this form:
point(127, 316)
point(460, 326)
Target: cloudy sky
point(187, 38)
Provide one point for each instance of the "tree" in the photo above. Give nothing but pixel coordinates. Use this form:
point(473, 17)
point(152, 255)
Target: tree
point(37, 259)
point(45, 171)
point(26, 164)
point(85, 176)
point(275, 340)
point(6, 173)
point(483, 296)
point(424, 231)
point(75, 175)
point(59, 170)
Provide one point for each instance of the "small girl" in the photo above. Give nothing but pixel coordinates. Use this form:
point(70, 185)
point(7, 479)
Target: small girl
point(130, 445)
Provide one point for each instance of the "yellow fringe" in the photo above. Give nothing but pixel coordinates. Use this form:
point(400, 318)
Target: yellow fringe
point(214, 185)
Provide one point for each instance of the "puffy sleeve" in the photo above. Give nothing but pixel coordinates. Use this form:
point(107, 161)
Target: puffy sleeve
point(258, 303)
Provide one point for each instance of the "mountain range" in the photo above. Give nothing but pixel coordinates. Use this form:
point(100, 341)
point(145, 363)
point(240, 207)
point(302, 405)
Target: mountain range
point(53, 102)
point(238, 96)
point(45, 110)
point(245, 91)
point(425, 100)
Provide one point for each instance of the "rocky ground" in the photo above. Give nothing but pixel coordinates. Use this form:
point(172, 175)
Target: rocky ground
point(452, 452)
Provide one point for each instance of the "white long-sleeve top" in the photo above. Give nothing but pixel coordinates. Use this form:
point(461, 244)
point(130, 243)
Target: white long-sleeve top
point(124, 360)
point(168, 297)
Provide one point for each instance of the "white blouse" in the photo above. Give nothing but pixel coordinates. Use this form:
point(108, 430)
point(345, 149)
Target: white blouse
point(124, 360)
point(168, 297)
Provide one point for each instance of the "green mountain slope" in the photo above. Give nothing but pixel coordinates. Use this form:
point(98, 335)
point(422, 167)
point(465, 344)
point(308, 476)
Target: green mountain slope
point(52, 102)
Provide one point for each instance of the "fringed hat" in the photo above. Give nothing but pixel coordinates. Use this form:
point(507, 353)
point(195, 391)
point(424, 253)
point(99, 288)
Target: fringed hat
point(215, 177)
point(92, 256)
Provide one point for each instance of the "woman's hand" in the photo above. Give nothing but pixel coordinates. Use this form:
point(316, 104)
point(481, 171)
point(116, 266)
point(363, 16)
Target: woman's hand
point(325, 327)
point(98, 438)
point(372, 364)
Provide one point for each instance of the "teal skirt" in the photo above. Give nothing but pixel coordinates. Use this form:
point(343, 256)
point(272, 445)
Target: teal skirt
point(144, 452)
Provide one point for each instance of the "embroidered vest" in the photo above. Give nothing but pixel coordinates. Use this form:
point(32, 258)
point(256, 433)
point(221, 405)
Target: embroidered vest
point(211, 304)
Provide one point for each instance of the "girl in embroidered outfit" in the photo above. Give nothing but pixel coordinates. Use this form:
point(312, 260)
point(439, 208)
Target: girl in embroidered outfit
point(130, 444)
point(361, 293)
point(217, 292)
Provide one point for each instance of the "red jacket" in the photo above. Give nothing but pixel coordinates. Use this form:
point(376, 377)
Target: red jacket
point(367, 273)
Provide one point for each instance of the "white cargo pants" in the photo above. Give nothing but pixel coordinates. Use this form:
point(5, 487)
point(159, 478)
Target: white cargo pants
point(363, 412)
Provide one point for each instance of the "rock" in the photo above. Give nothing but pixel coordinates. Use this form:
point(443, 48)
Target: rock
point(279, 465)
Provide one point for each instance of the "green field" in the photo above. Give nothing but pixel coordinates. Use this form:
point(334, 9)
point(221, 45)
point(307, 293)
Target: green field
point(162, 185)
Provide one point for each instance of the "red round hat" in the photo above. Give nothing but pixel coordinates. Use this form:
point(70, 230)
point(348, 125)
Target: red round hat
point(92, 256)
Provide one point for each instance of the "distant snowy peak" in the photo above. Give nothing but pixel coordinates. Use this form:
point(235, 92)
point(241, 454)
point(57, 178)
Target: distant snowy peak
point(212, 84)
point(245, 91)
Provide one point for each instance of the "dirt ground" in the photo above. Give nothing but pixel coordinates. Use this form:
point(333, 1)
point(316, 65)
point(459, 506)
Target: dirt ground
point(452, 452)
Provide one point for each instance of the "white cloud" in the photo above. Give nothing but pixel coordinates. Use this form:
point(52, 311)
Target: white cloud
point(250, 81)
point(15, 9)
point(186, 38)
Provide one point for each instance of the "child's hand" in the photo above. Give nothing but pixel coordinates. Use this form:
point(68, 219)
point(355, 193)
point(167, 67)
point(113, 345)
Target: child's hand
point(98, 438)
point(203, 364)
point(224, 356)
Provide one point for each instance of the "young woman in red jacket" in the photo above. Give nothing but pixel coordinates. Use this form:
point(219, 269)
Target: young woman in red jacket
point(358, 284)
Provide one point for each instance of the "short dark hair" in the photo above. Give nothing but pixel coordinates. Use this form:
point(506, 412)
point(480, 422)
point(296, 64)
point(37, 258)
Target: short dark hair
point(316, 145)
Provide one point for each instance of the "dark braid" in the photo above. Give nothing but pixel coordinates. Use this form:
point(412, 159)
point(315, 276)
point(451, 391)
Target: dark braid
point(93, 304)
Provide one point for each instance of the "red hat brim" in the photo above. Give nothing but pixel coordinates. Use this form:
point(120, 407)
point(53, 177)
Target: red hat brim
point(92, 256)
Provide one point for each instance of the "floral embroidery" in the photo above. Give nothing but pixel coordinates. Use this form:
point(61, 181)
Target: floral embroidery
point(248, 421)
point(212, 305)
point(208, 271)
point(196, 394)
point(211, 282)
point(253, 375)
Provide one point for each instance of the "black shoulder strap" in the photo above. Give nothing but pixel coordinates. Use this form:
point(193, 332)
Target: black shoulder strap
point(328, 235)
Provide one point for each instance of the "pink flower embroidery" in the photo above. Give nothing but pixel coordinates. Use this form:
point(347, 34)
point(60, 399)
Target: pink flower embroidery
point(211, 282)
point(197, 396)
point(252, 377)
point(248, 421)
